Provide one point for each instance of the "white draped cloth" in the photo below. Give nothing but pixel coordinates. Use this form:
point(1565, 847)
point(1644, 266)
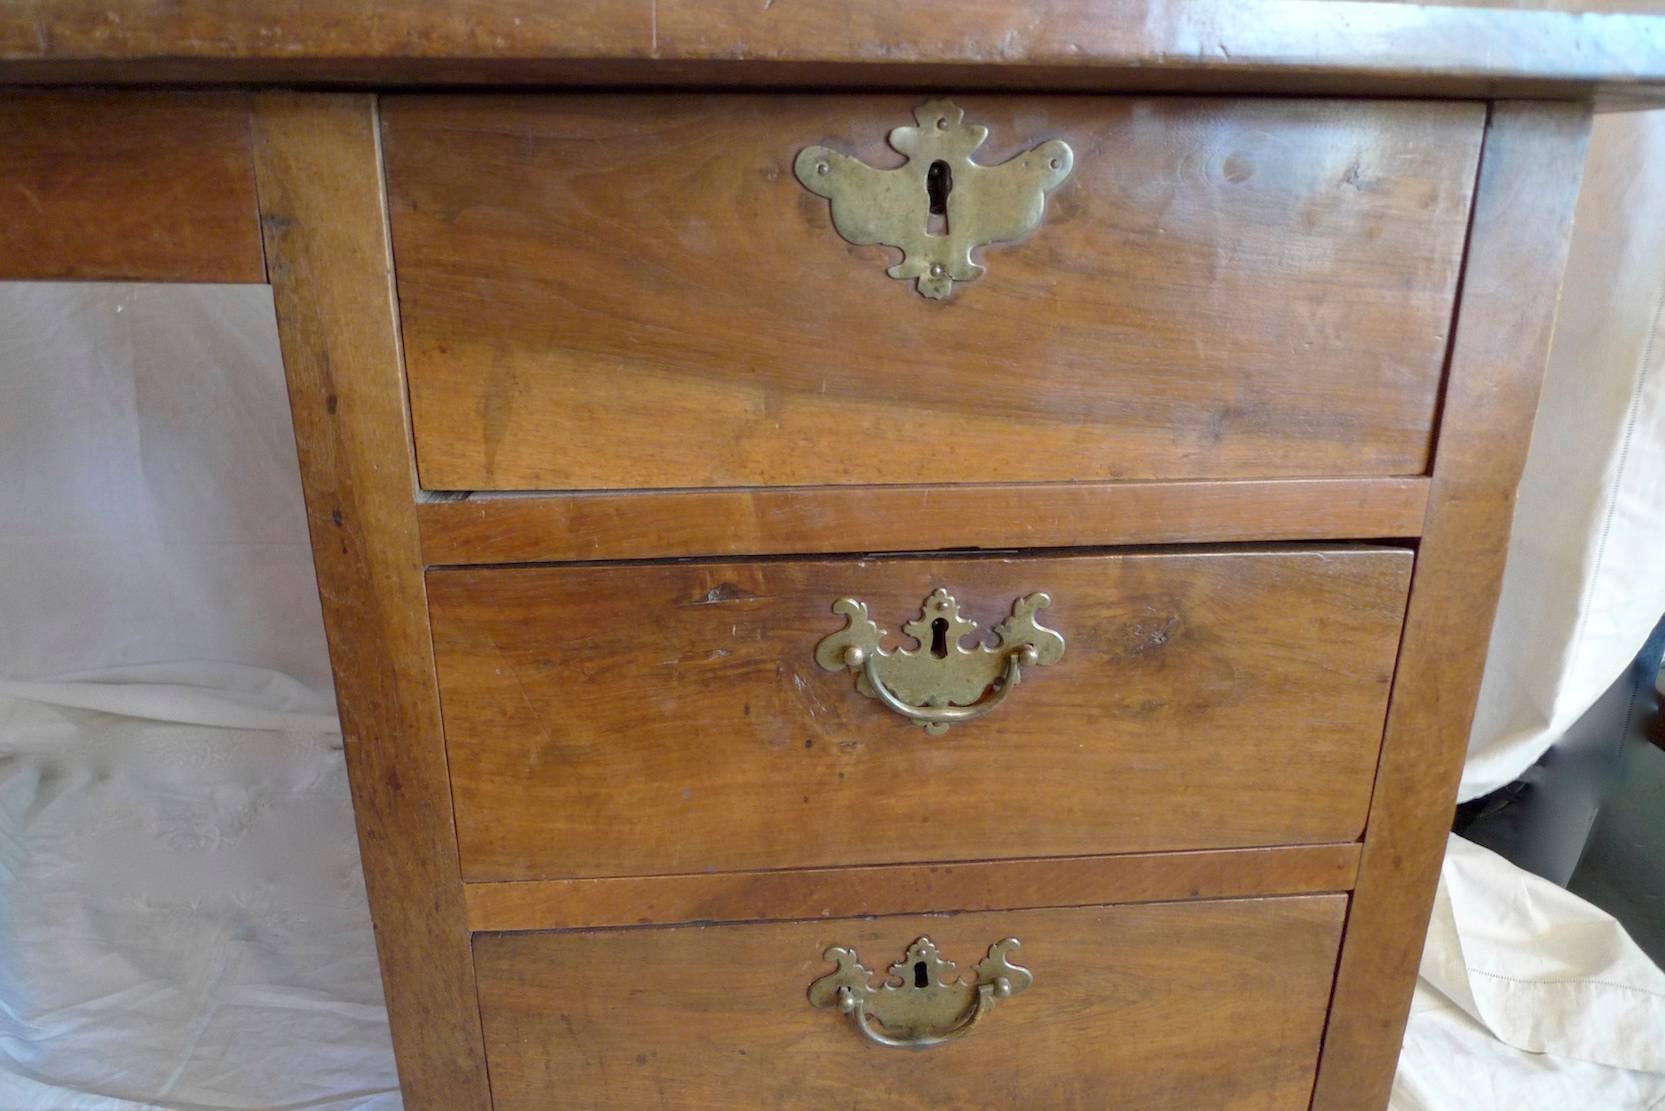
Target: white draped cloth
point(182, 915)
point(1530, 998)
point(1585, 579)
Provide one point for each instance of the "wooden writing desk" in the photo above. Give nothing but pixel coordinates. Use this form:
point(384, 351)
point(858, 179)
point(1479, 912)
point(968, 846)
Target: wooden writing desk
point(605, 400)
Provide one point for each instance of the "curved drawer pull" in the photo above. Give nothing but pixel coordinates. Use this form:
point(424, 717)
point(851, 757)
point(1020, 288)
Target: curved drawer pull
point(923, 1002)
point(943, 716)
point(940, 683)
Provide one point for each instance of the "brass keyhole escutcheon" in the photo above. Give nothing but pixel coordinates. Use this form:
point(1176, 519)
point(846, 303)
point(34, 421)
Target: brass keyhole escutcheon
point(924, 1001)
point(940, 683)
point(941, 205)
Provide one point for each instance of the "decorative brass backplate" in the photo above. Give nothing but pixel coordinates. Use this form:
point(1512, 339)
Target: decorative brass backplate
point(940, 682)
point(941, 205)
point(924, 1001)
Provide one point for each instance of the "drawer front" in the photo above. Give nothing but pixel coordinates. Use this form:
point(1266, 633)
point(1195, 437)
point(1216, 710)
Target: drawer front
point(635, 291)
point(649, 719)
point(1178, 1005)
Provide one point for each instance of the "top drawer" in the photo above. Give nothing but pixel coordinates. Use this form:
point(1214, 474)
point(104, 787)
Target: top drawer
point(634, 291)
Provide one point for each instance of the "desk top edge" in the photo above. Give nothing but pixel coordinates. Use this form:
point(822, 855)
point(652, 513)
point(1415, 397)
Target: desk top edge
point(1327, 47)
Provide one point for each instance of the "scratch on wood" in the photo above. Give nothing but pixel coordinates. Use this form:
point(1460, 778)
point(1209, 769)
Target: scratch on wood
point(806, 695)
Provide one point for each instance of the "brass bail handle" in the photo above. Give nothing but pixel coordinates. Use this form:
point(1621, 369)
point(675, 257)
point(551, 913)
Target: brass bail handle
point(924, 1002)
point(941, 683)
point(941, 717)
point(856, 1007)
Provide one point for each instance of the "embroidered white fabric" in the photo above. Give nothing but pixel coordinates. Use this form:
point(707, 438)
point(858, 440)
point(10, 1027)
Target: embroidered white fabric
point(182, 915)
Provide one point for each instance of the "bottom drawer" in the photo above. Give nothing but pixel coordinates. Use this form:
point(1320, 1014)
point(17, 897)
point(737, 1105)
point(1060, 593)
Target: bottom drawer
point(1215, 1004)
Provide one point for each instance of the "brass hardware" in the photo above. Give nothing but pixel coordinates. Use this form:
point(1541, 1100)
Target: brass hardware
point(940, 683)
point(923, 1002)
point(939, 187)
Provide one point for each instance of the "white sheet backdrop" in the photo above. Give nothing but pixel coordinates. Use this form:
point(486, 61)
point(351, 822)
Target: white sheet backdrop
point(182, 916)
point(1531, 999)
point(1585, 580)
point(182, 919)
point(150, 508)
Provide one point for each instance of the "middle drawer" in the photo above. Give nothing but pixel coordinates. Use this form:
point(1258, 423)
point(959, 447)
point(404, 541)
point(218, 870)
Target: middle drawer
point(661, 718)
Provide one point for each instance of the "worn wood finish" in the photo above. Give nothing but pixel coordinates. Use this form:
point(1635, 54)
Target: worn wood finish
point(634, 291)
point(321, 209)
point(647, 719)
point(910, 888)
point(152, 187)
point(1176, 1005)
point(1523, 218)
point(1285, 46)
point(343, 38)
point(560, 527)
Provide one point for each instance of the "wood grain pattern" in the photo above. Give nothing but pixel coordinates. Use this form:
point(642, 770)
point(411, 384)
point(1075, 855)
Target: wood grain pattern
point(1264, 46)
point(1163, 1006)
point(151, 187)
point(604, 292)
point(561, 527)
point(649, 719)
point(910, 888)
point(339, 31)
point(321, 208)
point(1523, 218)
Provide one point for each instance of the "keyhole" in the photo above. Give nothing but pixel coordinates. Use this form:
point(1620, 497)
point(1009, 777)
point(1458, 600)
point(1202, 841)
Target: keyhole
point(939, 639)
point(939, 182)
point(920, 979)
